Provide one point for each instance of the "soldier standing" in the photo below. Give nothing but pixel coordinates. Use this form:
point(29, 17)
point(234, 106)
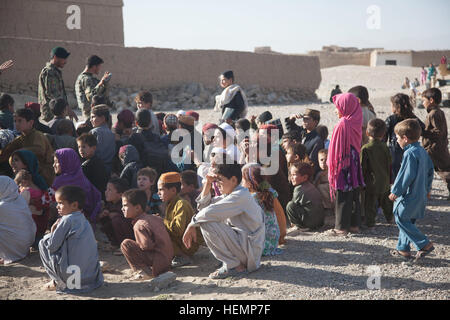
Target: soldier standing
point(87, 85)
point(51, 84)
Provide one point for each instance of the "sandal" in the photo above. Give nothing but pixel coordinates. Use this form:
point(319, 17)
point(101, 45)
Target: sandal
point(396, 254)
point(141, 276)
point(223, 273)
point(179, 261)
point(49, 286)
point(422, 253)
point(335, 233)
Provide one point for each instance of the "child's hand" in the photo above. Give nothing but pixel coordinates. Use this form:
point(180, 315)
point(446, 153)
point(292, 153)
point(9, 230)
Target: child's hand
point(55, 225)
point(392, 197)
point(105, 213)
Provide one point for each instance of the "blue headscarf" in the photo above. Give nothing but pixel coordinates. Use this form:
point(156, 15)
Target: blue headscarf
point(29, 159)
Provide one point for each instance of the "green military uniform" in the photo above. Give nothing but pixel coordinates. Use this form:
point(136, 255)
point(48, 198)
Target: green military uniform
point(86, 87)
point(51, 86)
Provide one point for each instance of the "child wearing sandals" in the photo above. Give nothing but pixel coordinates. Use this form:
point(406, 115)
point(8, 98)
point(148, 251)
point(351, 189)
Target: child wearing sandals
point(69, 252)
point(410, 191)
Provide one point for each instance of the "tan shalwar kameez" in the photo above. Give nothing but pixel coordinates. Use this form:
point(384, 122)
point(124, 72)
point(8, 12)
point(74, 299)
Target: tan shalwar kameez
point(152, 247)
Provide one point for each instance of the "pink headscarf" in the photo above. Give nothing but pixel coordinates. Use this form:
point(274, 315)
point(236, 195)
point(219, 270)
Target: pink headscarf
point(346, 133)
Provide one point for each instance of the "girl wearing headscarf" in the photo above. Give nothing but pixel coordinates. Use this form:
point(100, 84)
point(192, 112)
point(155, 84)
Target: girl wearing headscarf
point(39, 198)
point(233, 101)
point(345, 174)
point(67, 166)
point(17, 229)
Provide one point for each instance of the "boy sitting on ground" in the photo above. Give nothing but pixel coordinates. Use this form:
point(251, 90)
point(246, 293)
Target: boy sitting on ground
point(177, 216)
point(305, 210)
point(150, 255)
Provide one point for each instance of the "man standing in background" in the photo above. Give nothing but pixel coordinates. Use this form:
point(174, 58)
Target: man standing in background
point(51, 84)
point(87, 85)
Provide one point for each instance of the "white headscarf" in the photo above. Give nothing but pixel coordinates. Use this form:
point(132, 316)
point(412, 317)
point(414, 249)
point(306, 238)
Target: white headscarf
point(17, 228)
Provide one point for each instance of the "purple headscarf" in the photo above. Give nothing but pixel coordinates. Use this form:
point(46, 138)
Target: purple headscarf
point(72, 174)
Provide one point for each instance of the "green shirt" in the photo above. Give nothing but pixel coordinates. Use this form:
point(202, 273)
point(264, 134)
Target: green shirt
point(376, 166)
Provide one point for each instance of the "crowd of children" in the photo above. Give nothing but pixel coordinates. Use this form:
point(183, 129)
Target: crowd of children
point(158, 198)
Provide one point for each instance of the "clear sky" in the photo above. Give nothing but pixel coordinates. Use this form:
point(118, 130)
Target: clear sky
point(288, 26)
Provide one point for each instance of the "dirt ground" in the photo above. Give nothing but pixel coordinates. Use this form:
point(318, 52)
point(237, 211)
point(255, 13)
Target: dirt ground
point(313, 265)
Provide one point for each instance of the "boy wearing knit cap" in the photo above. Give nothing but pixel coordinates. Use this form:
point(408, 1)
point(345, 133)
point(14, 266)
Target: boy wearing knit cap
point(177, 217)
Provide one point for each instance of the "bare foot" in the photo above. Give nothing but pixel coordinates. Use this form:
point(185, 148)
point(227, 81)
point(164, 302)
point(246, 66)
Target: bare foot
point(240, 268)
point(141, 275)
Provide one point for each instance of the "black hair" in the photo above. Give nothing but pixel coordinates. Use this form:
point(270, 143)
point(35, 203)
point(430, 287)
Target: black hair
point(57, 106)
point(292, 135)
point(230, 170)
point(144, 96)
point(243, 124)
point(362, 93)
point(65, 126)
point(88, 138)
point(136, 197)
point(93, 61)
point(143, 118)
point(322, 131)
point(299, 149)
point(190, 177)
point(98, 99)
point(25, 113)
point(84, 128)
point(5, 101)
point(434, 93)
point(120, 184)
point(72, 194)
point(176, 185)
point(228, 75)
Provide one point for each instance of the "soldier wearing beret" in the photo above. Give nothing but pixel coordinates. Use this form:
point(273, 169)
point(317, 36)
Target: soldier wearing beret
point(51, 84)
